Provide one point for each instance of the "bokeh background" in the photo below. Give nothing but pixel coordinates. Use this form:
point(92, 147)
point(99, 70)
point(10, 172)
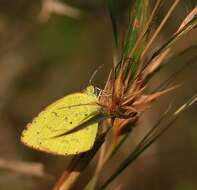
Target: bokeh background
point(45, 56)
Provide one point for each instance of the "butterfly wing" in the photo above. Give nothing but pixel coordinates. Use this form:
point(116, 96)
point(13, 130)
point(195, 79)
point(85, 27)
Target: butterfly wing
point(61, 116)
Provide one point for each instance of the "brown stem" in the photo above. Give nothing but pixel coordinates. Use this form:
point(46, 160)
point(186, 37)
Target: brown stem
point(160, 27)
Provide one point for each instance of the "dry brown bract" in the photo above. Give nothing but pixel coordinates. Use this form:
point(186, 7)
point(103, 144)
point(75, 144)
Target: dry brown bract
point(126, 100)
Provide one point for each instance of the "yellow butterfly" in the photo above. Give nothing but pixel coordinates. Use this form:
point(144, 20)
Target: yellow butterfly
point(44, 133)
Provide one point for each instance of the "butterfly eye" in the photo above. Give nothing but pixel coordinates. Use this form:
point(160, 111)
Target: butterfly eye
point(97, 91)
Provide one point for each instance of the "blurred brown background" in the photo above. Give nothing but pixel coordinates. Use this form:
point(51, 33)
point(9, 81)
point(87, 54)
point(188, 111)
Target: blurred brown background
point(43, 59)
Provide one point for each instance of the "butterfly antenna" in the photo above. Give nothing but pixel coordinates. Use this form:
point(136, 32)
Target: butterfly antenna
point(94, 74)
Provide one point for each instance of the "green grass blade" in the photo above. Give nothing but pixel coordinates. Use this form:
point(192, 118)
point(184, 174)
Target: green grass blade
point(136, 25)
point(112, 11)
point(92, 183)
point(116, 9)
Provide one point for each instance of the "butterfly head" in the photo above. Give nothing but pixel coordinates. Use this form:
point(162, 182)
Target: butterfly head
point(93, 91)
point(90, 90)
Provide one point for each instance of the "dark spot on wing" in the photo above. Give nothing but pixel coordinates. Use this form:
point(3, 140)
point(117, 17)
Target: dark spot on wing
point(70, 122)
point(86, 114)
point(55, 114)
point(37, 132)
